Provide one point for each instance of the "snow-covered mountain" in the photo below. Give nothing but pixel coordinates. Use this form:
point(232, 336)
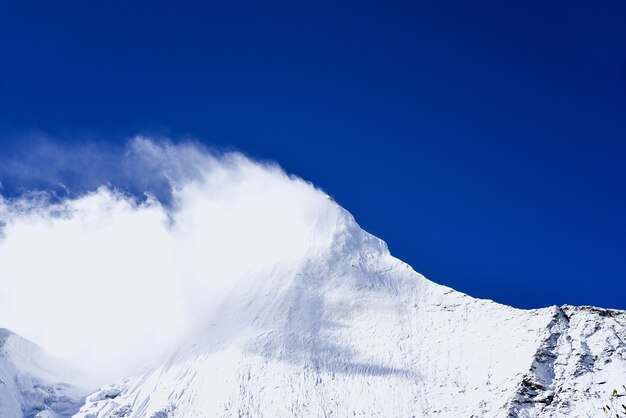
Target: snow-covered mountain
point(349, 330)
point(34, 384)
point(353, 331)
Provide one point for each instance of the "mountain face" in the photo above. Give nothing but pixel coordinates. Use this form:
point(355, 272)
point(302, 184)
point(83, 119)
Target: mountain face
point(33, 384)
point(348, 331)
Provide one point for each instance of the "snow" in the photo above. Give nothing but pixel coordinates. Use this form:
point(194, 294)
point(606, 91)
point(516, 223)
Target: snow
point(34, 384)
point(352, 331)
point(292, 314)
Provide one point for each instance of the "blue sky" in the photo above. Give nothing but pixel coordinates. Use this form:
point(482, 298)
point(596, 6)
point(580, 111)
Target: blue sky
point(484, 141)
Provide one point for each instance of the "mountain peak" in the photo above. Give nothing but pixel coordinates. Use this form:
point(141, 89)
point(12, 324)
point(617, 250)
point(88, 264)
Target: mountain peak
point(348, 330)
point(353, 331)
point(254, 294)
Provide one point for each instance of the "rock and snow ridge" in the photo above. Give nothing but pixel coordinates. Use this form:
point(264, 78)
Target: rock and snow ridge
point(33, 384)
point(347, 331)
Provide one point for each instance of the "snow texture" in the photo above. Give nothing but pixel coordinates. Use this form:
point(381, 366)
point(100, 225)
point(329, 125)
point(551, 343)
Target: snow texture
point(349, 330)
point(353, 331)
point(33, 384)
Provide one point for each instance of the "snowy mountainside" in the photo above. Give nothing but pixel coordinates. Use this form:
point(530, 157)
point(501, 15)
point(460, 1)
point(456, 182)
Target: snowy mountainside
point(352, 331)
point(579, 363)
point(33, 384)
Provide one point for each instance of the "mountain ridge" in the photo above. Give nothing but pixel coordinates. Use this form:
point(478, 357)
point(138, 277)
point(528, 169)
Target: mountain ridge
point(349, 330)
point(34, 384)
point(356, 332)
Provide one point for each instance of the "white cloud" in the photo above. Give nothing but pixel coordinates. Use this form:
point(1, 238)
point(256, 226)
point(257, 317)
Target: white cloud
point(109, 282)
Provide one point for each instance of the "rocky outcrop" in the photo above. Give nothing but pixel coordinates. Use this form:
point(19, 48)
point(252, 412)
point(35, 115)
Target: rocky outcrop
point(33, 384)
point(578, 367)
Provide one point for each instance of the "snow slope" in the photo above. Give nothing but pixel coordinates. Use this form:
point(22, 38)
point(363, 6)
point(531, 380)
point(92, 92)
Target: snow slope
point(350, 330)
point(33, 384)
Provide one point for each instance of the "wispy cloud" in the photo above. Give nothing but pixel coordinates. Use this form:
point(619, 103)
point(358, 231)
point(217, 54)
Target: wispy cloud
point(111, 281)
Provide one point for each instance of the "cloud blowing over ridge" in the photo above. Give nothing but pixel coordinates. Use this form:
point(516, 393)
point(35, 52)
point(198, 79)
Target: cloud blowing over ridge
point(110, 281)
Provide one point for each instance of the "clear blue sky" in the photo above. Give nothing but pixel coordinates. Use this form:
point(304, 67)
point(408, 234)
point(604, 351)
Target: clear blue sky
point(484, 141)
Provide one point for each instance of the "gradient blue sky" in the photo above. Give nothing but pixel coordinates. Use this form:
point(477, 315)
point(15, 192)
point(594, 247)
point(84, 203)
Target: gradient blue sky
point(484, 141)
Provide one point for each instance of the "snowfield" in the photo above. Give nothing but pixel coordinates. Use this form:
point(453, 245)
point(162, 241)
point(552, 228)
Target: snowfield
point(353, 331)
